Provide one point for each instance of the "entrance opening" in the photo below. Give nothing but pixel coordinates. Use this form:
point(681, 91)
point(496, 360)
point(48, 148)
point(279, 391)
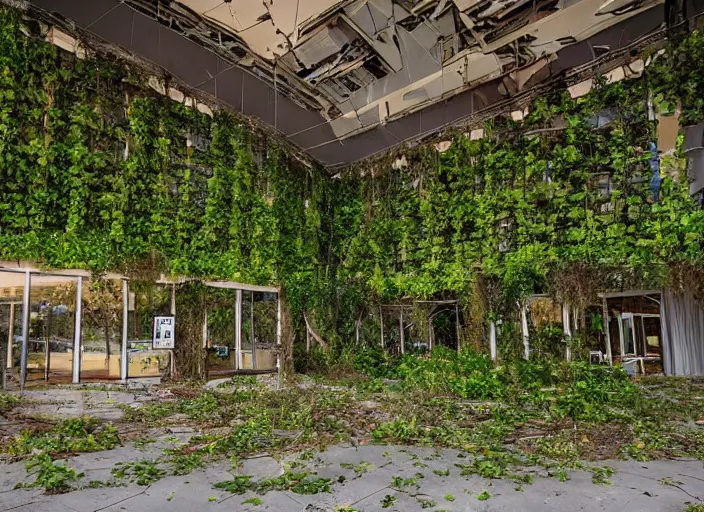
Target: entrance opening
point(635, 331)
point(220, 334)
point(52, 323)
point(101, 332)
point(146, 301)
point(242, 330)
point(11, 293)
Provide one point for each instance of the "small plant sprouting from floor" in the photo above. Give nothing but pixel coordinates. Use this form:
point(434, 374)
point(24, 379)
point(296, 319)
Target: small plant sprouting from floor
point(8, 402)
point(298, 483)
point(142, 442)
point(560, 473)
point(53, 476)
point(484, 495)
point(387, 501)
point(600, 475)
point(183, 464)
point(359, 469)
point(253, 501)
point(74, 435)
point(141, 472)
point(449, 497)
point(443, 472)
point(424, 503)
point(399, 482)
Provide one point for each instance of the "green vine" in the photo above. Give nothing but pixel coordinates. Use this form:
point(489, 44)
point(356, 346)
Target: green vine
point(100, 172)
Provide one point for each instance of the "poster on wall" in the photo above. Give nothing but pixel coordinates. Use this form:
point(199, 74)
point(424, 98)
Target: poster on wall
point(164, 332)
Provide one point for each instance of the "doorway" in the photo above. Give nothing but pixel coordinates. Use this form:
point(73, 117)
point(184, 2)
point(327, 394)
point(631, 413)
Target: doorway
point(635, 330)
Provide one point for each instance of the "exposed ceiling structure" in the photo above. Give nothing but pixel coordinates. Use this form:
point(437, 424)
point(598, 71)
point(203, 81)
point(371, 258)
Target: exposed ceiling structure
point(345, 80)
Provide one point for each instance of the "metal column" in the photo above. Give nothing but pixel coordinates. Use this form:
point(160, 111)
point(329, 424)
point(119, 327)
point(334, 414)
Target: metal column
point(278, 337)
point(172, 360)
point(605, 325)
point(77, 332)
point(25, 329)
point(10, 337)
point(238, 330)
point(567, 330)
point(402, 334)
point(125, 323)
point(524, 332)
point(251, 331)
point(457, 326)
point(492, 339)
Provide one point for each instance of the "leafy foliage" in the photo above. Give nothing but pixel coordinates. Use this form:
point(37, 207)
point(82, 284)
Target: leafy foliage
point(142, 472)
point(298, 483)
point(69, 436)
point(8, 402)
point(54, 476)
point(97, 171)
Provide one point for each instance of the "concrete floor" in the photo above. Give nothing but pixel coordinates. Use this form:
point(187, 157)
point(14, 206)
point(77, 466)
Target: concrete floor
point(667, 486)
point(653, 486)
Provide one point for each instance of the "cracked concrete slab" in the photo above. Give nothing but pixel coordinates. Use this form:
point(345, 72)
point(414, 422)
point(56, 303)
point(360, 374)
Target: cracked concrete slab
point(74, 403)
point(665, 485)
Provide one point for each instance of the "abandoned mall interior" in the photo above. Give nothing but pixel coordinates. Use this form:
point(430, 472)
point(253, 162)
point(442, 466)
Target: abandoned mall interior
point(198, 189)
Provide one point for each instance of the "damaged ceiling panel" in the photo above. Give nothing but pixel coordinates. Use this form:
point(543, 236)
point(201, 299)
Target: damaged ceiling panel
point(353, 78)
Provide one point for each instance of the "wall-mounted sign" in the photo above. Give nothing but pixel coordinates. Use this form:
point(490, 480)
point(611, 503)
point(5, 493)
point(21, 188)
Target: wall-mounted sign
point(164, 332)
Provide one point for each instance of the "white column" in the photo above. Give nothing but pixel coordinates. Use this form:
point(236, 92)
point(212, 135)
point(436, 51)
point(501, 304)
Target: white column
point(173, 299)
point(25, 329)
point(457, 326)
point(172, 359)
point(124, 358)
point(524, 332)
point(205, 329)
point(605, 325)
point(566, 328)
point(238, 330)
point(430, 334)
point(402, 333)
point(10, 337)
point(278, 336)
point(252, 339)
point(77, 332)
point(492, 339)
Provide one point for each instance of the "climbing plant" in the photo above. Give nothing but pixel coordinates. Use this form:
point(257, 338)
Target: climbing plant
point(97, 170)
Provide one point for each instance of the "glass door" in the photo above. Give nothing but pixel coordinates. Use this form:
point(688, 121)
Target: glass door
point(11, 296)
point(101, 333)
point(652, 333)
point(220, 336)
point(265, 322)
point(628, 340)
point(145, 301)
point(248, 351)
point(52, 309)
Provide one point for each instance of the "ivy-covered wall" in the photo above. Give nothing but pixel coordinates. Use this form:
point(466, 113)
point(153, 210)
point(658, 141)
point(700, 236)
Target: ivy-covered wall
point(565, 211)
point(534, 209)
point(233, 205)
